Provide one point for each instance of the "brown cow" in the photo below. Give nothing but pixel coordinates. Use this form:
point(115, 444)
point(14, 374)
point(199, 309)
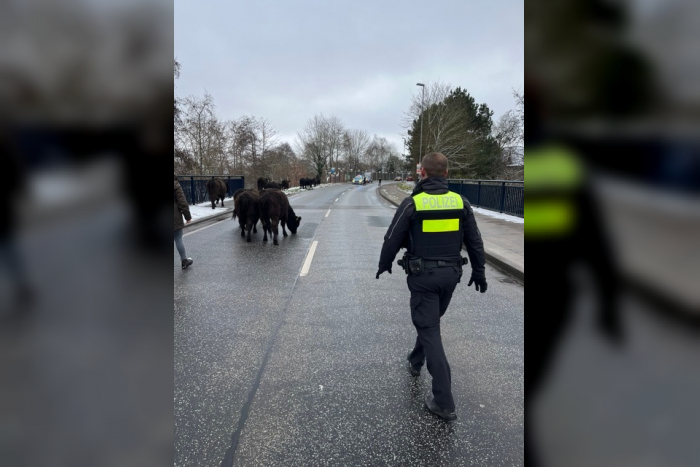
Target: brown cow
point(246, 208)
point(217, 191)
point(275, 208)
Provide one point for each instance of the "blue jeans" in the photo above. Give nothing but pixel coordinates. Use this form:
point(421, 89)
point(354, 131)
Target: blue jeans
point(180, 244)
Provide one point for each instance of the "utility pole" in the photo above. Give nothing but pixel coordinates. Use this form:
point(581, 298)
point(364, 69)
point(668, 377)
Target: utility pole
point(420, 149)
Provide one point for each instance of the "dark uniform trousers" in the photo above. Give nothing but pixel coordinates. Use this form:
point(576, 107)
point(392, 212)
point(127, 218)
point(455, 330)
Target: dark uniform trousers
point(431, 292)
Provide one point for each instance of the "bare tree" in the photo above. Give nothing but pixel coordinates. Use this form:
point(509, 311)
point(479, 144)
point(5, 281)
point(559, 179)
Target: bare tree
point(377, 153)
point(241, 134)
point(509, 132)
point(355, 143)
point(201, 134)
point(281, 160)
point(320, 140)
point(334, 139)
point(266, 135)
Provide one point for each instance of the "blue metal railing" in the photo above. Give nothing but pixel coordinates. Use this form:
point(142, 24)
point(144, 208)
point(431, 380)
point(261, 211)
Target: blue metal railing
point(505, 196)
point(195, 186)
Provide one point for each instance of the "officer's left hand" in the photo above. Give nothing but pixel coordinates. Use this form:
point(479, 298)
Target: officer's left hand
point(379, 272)
point(480, 284)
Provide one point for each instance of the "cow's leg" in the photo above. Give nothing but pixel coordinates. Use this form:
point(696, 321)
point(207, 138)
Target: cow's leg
point(222, 201)
point(212, 204)
point(275, 231)
point(249, 227)
point(264, 227)
point(284, 232)
point(255, 226)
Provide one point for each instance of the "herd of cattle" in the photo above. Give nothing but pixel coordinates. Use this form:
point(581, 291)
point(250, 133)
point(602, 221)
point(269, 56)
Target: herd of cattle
point(309, 183)
point(306, 183)
point(270, 206)
point(266, 183)
point(217, 187)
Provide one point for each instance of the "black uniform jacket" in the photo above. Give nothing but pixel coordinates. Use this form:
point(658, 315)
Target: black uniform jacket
point(398, 235)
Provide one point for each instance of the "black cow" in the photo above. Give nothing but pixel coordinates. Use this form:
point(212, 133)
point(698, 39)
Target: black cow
point(217, 191)
point(285, 184)
point(262, 182)
point(275, 208)
point(307, 183)
point(235, 195)
point(273, 185)
point(246, 208)
point(317, 181)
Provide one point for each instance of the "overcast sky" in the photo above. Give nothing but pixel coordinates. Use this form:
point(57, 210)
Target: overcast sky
point(360, 60)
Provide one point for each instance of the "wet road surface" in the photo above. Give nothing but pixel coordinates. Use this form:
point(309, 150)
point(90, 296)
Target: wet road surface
point(277, 368)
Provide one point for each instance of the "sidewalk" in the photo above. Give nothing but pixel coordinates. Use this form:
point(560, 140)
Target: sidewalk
point(503, 241)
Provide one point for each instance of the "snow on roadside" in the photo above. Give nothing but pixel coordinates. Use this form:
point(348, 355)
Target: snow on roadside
point(202, 210)
point(498, 215)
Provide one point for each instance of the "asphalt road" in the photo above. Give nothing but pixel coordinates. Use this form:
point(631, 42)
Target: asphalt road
point(277, 368)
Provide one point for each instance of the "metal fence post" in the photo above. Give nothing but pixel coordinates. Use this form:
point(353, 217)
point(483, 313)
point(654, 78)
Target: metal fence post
point(503, 194)
point(478, 194)
point(192, 192)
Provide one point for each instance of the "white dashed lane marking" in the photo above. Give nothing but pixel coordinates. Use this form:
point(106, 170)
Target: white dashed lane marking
point(309, 258)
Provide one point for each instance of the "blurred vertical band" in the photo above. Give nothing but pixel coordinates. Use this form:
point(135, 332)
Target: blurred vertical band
point(86, 328)
point(616, 88)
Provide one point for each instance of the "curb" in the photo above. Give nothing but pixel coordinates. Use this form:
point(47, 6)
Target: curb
point(493, 253)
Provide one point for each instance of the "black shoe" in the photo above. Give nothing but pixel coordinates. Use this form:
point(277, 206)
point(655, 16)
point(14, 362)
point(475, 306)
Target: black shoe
point(412, 370)
point(433, 407)
point(186, 262)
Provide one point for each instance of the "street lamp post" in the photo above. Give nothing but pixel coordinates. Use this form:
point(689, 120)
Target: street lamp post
point(420, 149)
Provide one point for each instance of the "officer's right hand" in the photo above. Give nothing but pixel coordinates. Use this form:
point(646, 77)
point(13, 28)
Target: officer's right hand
point(480, 284)
point(380, 271)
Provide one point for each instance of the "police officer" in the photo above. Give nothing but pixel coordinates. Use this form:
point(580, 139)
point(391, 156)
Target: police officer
point(432, 224)
point(564, 229)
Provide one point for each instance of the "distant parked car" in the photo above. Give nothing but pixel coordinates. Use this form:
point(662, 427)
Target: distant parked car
point(397, 179)
point(409, 179)
point(358, 180)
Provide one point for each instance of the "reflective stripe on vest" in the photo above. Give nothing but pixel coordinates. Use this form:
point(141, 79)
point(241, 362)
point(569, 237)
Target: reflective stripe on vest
point(442, 225)
point(552, 174)
point(552, 167)
point(547, 217)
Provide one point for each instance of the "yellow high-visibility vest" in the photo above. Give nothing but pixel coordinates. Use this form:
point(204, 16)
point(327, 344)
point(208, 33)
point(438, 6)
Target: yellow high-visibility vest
point(449, 201)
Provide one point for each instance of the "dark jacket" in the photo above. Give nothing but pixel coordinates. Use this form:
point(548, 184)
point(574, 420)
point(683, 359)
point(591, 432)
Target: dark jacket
point(180, 205)
point(398, 235)
point(12, 186)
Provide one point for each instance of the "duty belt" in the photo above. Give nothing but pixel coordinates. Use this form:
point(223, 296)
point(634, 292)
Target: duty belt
point(441, 264)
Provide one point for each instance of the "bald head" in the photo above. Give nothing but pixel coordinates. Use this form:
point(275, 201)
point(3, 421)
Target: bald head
point(435, 165)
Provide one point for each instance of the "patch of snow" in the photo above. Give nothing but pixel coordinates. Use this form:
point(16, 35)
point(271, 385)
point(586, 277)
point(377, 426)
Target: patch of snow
point(498, 215)
point(203, 210)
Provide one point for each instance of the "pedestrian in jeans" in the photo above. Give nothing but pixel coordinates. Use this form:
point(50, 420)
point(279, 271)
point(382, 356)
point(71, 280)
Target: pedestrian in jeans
point(181, 209)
